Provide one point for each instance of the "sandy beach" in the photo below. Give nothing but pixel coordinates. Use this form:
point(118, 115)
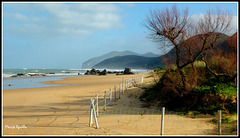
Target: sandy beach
point(64, 110)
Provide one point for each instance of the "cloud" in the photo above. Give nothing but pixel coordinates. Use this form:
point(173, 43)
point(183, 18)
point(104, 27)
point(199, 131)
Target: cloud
point(57, 19)
point(233, 27)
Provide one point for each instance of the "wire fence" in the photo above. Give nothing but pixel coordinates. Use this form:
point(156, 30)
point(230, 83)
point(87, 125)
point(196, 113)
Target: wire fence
point(166, 122)
point(102, 101)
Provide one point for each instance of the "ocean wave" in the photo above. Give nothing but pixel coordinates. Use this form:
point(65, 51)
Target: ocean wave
point(40, 74)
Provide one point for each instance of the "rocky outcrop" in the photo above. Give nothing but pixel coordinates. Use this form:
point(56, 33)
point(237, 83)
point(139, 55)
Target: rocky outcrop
point(92, 72)
point(128, 71)
point(29, 74)
point(104, 72)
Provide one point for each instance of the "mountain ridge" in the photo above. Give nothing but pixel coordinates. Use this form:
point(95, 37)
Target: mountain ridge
point(131, 61)
point(144, 61)
point(93, 61)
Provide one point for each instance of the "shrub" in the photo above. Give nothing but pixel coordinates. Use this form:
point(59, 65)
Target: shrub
point(221, 95)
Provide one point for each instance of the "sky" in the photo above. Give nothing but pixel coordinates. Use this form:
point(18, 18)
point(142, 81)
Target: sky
point(62, 35)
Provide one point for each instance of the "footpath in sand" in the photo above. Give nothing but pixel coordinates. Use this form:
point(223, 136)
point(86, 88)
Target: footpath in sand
point(64, 110)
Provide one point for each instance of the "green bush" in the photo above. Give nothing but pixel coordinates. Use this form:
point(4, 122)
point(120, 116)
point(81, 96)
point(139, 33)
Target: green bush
point(208, 96)
point(217, 96)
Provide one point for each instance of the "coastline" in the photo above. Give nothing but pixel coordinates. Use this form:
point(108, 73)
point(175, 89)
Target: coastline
point(30, 78)
point(42, 105)
point(64, 110)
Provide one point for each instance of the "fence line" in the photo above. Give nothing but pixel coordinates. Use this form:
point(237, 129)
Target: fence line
point(105, 101)
point(94, 107)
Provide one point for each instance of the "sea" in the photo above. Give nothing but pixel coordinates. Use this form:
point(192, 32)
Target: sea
point(30, 78)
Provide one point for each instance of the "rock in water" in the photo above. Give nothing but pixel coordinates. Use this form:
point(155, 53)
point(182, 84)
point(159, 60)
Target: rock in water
point(92, 72)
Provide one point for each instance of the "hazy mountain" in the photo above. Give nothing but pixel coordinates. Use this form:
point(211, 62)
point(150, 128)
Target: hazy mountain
point(120, 60)
point(132, 61)
point(149, 54)
point(93, 61)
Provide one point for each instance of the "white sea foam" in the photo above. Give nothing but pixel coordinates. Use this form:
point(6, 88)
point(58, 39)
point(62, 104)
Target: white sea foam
point(77, 69)
point(7, 75)
point(63, 74)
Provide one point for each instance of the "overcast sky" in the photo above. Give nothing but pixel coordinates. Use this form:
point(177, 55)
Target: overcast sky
point(64, 35)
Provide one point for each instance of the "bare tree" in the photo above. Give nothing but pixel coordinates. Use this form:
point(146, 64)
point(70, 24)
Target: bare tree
point(168, 25)
point(211, 26)
point(175, 28)
point(223, 63)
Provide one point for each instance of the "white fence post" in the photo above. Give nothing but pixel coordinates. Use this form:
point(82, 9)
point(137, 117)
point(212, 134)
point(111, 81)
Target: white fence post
point(91, 110)
point(219, 122)
point(94, 113)
point(105, 100)
point(162, 120)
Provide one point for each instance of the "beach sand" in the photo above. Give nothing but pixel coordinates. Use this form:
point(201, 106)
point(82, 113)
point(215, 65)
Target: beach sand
point(64, 110)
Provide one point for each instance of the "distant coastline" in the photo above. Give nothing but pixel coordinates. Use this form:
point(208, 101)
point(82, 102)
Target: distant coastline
point(25, 81)
point(41, 72)
point(20, 73)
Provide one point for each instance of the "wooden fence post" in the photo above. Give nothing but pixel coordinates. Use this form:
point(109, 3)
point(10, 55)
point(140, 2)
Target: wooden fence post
point(91, 110)
point(123, 86)
point(115, 93)
point(132, 81)
point(162, 120)
point(97, 104)
point(94, 113)
point(105, 100)
point(119, 90)
point(219, 122)
point(110, 97)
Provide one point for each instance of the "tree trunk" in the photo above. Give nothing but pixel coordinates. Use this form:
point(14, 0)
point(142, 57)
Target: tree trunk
point(194, 75)
point(183, 77)
point(220, 76)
